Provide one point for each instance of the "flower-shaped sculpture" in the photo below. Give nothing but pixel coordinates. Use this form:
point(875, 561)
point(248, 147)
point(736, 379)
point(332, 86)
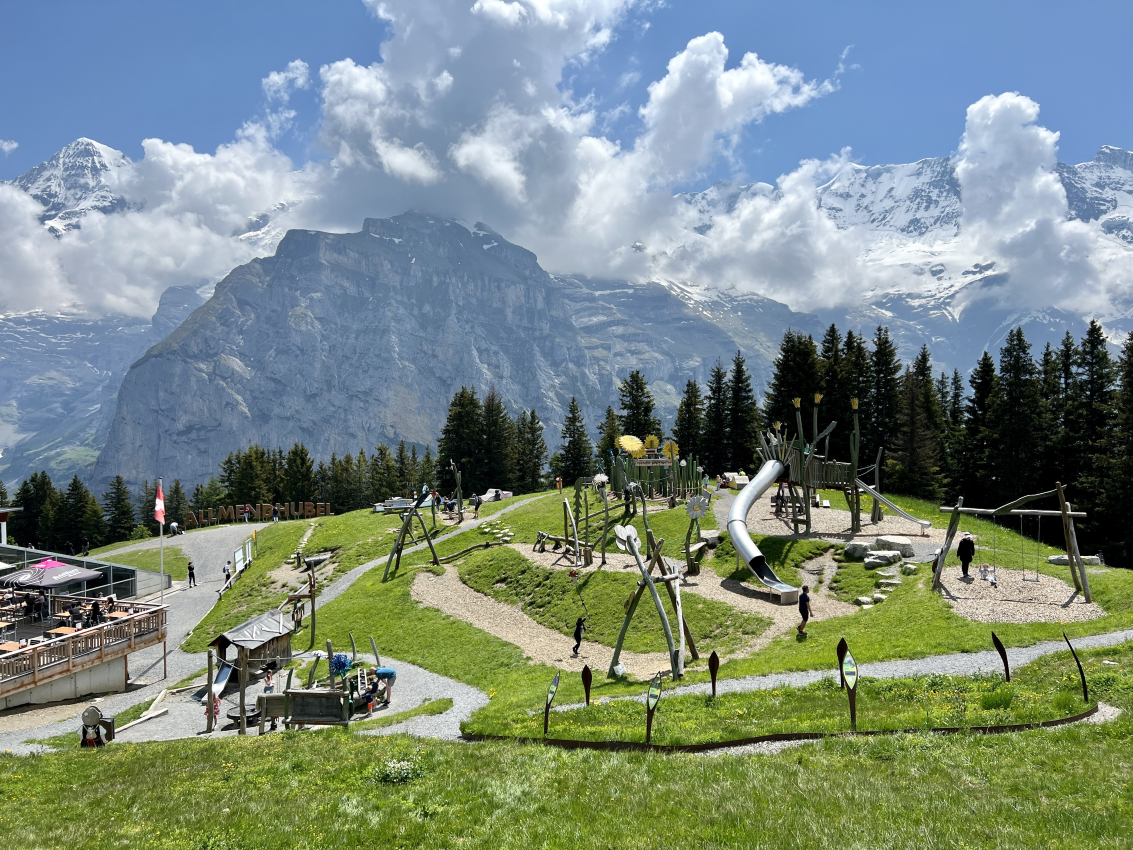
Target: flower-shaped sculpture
point(601, 480)
point(625, 533)
point(632, 445)
point(652, 441)
point(339, 663)
point(696, 507)
point(671, 450)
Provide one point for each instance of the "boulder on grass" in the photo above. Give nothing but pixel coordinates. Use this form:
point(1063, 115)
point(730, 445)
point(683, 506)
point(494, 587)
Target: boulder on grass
point(909, 569)
point(895, 543)
point(889, 582)
point(864, 600)
point(1064, 560)
point(879, 597)
point(881, 559)
point(711, 536)
point(857, 550)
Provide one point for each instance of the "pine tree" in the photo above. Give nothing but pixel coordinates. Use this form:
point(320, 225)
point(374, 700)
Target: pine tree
point(462, 441)
point(688, 430)
point(1092, 417)
point(428, 468)
point(608, 432)
point(797, 375)
point(1015, 420)
point(405, 469)
point(714, 448)
point(577, 451)
point(145, 500)
point(637, 406)
point(885, 392)
point(93, 526)
point(3, 495)
point(31, 495)
point(176, 503)
point(119, 510)
point(914, 464)
point(976, 483)
point(298, 476)
point(75, 502)
point(531, 452)
point(743, 417)
point(499, 436)
point(52, 532)
point(858, 381)
point(382, 475)
point(1051, 437)
point(1118, 542)
point(835, 385)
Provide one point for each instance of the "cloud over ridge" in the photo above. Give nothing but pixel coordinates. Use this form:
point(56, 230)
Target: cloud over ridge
point(470, 113)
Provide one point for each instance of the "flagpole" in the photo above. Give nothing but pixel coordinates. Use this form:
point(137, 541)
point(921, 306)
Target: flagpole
point(161, 543)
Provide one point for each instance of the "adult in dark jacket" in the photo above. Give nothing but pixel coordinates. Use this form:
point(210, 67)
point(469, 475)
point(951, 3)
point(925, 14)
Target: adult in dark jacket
point(966, 551)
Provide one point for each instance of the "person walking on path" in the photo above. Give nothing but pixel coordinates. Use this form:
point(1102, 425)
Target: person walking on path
point(227, 571)
point(804, 609)
point(579, 628)
point(192, 575)
point(247, 512)
point(275, 513)
point(966, 551)
point(476, 502)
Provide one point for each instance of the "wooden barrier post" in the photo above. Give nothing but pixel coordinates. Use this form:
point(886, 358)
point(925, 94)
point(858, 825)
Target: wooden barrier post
point(208, 698)
point(850, 676)
point(547, 708)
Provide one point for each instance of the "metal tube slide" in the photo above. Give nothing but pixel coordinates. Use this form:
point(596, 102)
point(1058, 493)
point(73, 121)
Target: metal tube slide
point(741, 539)
point(923, 523)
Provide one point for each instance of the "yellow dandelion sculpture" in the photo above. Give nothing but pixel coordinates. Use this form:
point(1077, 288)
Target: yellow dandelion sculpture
point(632, 445)
point(652, 441)
point(671, 450)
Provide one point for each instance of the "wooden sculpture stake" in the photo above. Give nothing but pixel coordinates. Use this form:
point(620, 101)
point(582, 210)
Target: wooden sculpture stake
point(1002, 654)
point(651, 701)
point(713, 668)
point(587, 679)
point(842, 650)
point(850, 675)
point(1081, 672)
point(547, 708)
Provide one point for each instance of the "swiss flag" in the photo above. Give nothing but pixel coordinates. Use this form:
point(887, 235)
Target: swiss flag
point(159, 506)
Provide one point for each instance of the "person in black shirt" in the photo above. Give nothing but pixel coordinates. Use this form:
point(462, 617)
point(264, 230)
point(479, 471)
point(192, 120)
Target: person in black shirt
point(579, 628)
point(966, 551)
point(804, 608)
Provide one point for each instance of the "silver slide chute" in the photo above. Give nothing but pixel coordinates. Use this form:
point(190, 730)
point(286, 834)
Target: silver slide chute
point(746, 549)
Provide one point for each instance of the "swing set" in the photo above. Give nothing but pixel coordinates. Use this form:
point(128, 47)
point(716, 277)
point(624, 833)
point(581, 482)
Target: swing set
point(1065, 512)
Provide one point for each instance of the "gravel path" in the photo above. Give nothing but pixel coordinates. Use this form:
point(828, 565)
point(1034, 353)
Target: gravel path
point(540, 644)
point(1013, 600)
point(958, 664)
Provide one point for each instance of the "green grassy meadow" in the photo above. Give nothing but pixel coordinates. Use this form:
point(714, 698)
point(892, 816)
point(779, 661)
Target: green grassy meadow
point(176, 564)
point(1063, 787)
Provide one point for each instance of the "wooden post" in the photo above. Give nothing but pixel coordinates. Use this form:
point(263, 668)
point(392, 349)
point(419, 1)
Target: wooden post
point(208, 698)
point(164, 661)
point(242, 660)
point(330, 667)
point(1065, 507)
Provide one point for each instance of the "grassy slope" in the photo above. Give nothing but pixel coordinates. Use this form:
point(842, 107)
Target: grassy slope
point(255, 591)
point(549, 597)
point(783, 556)
point(318, 789)
point(357, 537)
point(176, 564)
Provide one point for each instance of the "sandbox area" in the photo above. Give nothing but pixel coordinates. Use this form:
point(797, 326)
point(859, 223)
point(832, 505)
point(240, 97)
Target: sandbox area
point(1013, 600)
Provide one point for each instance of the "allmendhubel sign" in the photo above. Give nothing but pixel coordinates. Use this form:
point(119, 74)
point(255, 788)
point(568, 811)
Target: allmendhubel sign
point(258, 513)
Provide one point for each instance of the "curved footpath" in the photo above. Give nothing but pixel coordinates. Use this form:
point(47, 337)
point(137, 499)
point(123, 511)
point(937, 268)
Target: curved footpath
point(416, 684)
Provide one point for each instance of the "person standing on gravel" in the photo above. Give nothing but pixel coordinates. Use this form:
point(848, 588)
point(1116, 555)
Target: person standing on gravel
point(387, 675)
point(192, 575)
point(476, 502)
point(966, 551)
point(804, 608)
point(579, 628)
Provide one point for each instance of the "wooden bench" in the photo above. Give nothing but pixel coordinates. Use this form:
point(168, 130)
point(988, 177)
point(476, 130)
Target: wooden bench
point(322, 707)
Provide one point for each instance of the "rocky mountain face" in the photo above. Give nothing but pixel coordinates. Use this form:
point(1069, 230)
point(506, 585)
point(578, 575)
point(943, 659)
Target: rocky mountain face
point(59, 379)
point(348, 340)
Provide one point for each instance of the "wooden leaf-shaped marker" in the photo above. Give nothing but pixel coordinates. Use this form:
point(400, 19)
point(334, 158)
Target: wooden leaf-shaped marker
point(713, 668)
point(587, 679)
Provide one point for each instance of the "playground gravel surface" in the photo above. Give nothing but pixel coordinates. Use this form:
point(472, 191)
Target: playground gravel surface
point(1013, 600)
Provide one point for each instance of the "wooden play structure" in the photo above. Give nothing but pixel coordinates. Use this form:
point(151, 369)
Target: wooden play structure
point(697, 508)
point(669, 575)
point(659, 471)
point(406, 531)
point(806, 471)
point(261, 642)
point(1065, 512)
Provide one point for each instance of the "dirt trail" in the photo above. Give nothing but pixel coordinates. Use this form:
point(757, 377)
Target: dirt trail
point(507, 622)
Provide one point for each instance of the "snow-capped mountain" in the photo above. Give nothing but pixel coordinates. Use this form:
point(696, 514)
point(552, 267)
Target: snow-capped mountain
point(76, 180)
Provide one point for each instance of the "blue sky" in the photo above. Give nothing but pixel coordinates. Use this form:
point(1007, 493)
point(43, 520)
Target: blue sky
point(191, 73)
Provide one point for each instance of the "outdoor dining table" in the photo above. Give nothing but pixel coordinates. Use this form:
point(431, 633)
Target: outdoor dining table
point(117, 615)
point(9, 646)
point(5, 625)
point(62, 631)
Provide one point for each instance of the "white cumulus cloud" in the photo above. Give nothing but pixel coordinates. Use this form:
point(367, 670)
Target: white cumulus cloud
point(7, 146)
